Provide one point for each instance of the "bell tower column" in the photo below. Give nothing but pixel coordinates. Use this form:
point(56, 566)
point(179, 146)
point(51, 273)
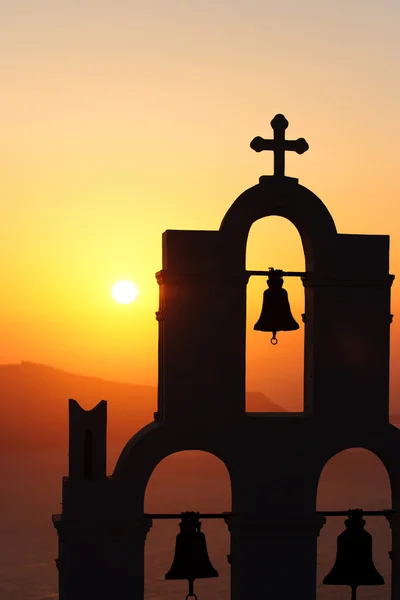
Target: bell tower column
point(101, 558)
point(202, 316)
point(347, 334)
point(262, 550)
point(100, 539)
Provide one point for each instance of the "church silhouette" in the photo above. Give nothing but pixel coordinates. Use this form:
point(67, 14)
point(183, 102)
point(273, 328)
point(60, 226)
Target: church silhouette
point(274, 459)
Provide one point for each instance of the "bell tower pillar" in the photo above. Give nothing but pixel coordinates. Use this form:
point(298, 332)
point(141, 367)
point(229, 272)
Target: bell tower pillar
point(268, 544)
point(347, 333)
point(201, 330)
point(100, 548)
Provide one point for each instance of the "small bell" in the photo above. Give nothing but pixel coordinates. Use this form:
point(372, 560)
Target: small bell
point(354, 565)
point(275, 313)
point(191, 560)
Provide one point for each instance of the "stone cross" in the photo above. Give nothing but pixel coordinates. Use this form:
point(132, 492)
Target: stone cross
point(279, 145)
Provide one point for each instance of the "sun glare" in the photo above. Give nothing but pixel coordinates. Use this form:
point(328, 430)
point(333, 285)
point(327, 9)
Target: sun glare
point(124, 292)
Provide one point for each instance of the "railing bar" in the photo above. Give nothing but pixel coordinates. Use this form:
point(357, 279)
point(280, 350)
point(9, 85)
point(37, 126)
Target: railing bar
point(179, 515)
point(322, 513)
point(344, 513)
point(279, 273)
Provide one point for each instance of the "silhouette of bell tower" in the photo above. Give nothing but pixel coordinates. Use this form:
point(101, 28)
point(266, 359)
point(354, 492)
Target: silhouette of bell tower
point(274, 459)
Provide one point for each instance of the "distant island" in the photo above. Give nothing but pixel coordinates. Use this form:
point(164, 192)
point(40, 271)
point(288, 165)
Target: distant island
point(34, 405)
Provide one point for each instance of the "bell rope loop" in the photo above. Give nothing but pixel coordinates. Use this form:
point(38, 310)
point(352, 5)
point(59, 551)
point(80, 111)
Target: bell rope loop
point(274, 339)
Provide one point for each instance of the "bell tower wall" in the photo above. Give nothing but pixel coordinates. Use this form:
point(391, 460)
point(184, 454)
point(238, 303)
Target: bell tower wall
point(347, 333)
point(201, 329)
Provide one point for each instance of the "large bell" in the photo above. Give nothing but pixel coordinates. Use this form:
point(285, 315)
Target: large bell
point(354, 565)
point(275, 313)
point(191, 559)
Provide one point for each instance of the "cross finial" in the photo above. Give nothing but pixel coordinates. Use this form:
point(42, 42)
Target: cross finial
point(279, 145)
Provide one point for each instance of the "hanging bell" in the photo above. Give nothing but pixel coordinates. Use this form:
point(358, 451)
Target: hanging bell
point(275, 313)
point(354, 565)
point(191, 560)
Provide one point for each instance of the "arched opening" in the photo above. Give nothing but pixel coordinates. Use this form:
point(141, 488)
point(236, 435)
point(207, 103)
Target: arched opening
point(274, 374)
point(354, 478)
point(187, 481)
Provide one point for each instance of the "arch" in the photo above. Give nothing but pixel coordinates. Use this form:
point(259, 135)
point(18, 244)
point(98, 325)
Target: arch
point(380, 451)
point(155, 442)
point(284, 199)
point(274, 242)
point(187, 462)
point(353, 455)
point(276, 236)
point(187, 481)
point(355, 477)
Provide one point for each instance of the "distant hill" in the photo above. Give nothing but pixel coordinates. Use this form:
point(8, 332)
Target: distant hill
point(34, 405)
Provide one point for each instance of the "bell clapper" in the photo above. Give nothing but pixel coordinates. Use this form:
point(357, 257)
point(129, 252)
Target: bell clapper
point(191, 593)
point(274, 339)
point(353, 592)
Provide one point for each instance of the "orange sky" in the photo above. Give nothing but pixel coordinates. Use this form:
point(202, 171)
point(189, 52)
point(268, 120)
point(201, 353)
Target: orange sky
point(121, 120)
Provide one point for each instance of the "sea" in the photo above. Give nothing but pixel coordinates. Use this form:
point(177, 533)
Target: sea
point(31, 493)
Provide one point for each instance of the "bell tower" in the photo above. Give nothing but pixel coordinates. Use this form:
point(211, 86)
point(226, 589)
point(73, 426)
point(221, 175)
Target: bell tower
point(201, 317)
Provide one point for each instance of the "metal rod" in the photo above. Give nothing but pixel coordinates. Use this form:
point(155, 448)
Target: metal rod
point(345, 513)
point(322, 513)
point(277, 272)
point(179, 515)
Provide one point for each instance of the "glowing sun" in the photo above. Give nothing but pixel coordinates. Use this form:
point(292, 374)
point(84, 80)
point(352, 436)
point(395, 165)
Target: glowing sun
point(124, 292)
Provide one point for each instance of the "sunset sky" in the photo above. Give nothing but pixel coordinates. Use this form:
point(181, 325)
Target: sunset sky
point(122, 119)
